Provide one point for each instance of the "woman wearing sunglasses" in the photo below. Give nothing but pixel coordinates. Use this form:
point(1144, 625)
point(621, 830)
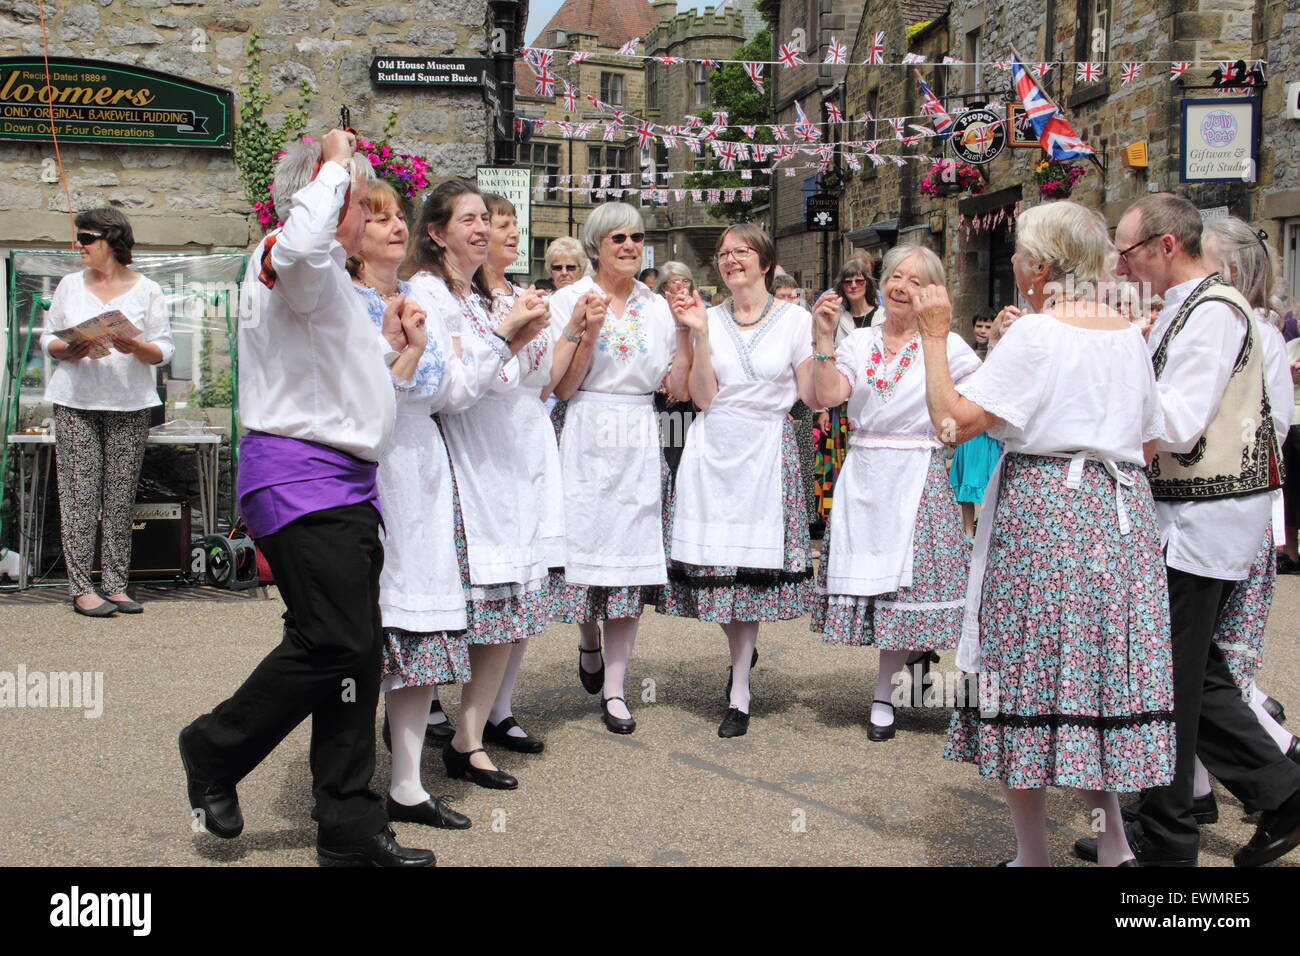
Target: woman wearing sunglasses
point(739, 525)
point(564, 261)
point(614, 473)
point(101, 405)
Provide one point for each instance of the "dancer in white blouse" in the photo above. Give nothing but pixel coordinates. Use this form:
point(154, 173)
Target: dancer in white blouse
point(740, 522)
point(503, 570)
point(614, 473)
point(895, 576)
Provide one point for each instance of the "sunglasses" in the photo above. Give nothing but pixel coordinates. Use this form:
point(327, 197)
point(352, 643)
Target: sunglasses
point(619, 238)
point(86, 238)
point(858, 281)
point(560, 268)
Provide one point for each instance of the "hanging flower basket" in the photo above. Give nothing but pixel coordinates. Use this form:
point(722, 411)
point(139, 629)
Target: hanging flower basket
point(1056, 180)
point(948, 178)
point(407, 174)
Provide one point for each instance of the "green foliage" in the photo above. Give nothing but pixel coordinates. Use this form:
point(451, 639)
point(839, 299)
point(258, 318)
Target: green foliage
point(216, 391)
point(257, 143)
point(769, 10)
point(734, 93)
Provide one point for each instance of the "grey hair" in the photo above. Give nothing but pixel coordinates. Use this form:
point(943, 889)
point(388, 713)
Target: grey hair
point(603, 220)
point(564, 246)
point(671, 269)
point(1072, 240)
point(1248, 263)
point(297, 167)
point(929, 265)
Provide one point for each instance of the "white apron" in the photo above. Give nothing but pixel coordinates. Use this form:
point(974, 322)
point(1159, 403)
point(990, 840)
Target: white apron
point(613, 509)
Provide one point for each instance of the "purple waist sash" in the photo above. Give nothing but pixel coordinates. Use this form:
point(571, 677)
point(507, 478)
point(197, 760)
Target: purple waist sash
point(282, 479)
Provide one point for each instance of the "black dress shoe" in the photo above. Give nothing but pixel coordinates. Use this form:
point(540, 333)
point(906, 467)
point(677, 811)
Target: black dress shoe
point(1274, 710)
point(735, 724)
point(216, 804)
point(878, 733)
point(1278, 834)
point(382, 849)
point(459, 768)
point(126, 607)
point(616, 725)
point(753, 662)
point(432, 813)
point(592, 681)
point(497, 734)
point(1205, 810)
point(435, 735)
point(1143, 852)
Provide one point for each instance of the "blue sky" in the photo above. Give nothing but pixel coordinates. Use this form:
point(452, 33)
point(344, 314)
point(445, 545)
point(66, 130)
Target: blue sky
point(540, 11)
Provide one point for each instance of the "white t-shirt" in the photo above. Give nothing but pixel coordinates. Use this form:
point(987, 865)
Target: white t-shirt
point(1061, 389)
point(117, 382)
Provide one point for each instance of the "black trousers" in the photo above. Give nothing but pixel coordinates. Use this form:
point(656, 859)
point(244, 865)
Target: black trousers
point(326, 566)
point(1213, 722)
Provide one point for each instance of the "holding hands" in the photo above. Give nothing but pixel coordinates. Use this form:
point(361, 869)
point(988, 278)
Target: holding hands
point(1003, 322)
point(526, 320)
point(933, 311)
point(689, 310)
point(392, 327)
point(826, 314)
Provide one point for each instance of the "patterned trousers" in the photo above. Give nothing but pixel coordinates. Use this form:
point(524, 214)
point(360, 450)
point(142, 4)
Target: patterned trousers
point(99, 457)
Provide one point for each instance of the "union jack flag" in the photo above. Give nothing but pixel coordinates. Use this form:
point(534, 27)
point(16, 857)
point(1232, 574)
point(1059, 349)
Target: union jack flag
point(711, 64)
point(789, 171)
point(788, 56)
point(694, 121)
point(779, 133)
point(670, 60)
point(721, 118)
point(802, 128)
point(931, 105)
point(629, 48)
point(729, 195)
point(866, 119)
point(1042, 69)
point(595, 101)
point(570, 97)
point(747, 194)
point(697, 195)
point(755, 72)
point(742, 153)
point(911, 58)
point(545, 81)
point(876, 55)
point(645, 133)
point(621, 117)
point(853, 161)
point(1055, 134)
point(1129, 72)
point(1087, 72)
point(714, 195)
point(726, 154)
point(837, 52)
point(692, 144)
point(749, 131)
point(611, 130)
point(833, 112)
point(1227, 69)
point(536, 58)
point(1178, 68)
point(711, 132)
point(566, 129)
point(579, 57)
point(897, 124)
point(670, 142)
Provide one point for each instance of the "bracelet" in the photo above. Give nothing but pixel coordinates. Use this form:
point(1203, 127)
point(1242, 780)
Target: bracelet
point(570, 337)
point(682, 328)
point(823, 357)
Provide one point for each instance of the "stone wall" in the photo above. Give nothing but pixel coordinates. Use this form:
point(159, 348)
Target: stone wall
point(193, 199)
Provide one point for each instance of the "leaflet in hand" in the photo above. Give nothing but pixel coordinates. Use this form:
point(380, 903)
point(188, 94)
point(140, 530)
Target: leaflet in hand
point(99, 332)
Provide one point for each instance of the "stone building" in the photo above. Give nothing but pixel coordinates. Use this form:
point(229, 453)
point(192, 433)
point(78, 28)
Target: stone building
point(187, 200)
point(599, 28)
point(1278, 210)
point(683, 230)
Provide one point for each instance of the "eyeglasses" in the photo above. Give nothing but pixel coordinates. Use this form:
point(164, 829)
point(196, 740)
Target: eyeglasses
point(619, 238)
point(856, 281)
point(86, 238)
point(738, 254)
point(1124, 253)
point(563, 268)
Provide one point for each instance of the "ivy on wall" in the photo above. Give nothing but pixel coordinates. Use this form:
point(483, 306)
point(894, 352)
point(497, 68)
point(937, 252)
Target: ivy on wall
point(257, 142)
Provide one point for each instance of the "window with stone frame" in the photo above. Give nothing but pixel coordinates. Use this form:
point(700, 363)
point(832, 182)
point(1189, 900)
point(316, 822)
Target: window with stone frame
point(651, 85)
point(700, 85)
point(1092, 37)
point(544, 160)
point(608, 160)
point(973, 55)
point(537, 255)
point(611, 88)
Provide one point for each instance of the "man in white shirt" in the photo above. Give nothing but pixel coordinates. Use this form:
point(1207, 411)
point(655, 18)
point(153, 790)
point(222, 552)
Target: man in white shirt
point(317, 398)
point(1210, 543)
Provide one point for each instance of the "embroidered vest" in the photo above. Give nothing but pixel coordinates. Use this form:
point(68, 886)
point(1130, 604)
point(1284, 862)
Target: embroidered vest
point(1238, 453)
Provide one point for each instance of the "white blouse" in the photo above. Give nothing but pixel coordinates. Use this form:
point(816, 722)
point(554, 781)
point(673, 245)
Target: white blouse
point(889, 398)
point(633, 351)
point(1062, 389)
point(117, 382)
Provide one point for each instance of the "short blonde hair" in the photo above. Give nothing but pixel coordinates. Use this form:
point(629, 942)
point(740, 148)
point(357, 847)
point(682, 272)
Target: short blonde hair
point(928, 264)
point(1070, 239)
point(564, 246)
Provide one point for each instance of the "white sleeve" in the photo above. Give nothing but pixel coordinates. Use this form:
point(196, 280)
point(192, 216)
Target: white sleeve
point(1197, 367)
point(962, 360)
point(1010, 382)
point(56, 316)
point(157, 328)
point(846, 356)
point(1277, 373)
point(801, 344)
point(1153, 417)
point(301, 254)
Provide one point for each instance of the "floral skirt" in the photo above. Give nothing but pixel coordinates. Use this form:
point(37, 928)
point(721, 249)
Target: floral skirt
point(829, 458)
point(508, 613)
point(424, 660)
point(1240, 634)
point(924, 617)
point(722, 594)
point(1074, 637)
point(587, 604)
point(972, 464)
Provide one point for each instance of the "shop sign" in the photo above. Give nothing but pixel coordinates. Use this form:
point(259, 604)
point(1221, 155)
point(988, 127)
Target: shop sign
point(978, 136)
point(1219, 140)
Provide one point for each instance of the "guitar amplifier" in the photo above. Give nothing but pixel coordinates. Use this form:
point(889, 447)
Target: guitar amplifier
point(160, 541)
